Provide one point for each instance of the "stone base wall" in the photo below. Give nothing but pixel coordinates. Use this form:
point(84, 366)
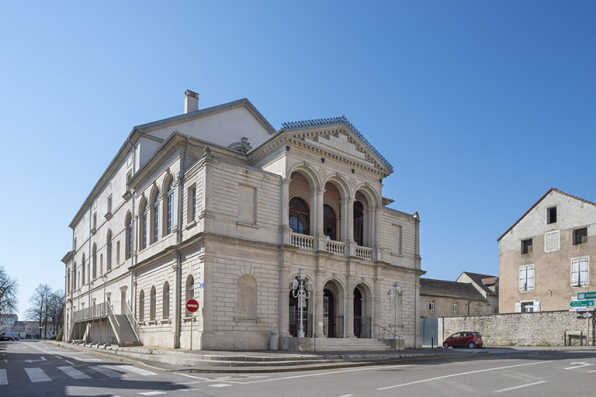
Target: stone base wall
point(521, 329)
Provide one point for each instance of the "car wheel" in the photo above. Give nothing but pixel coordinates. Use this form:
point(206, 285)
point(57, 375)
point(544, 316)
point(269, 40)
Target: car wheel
point(446, 345)
point(471, 345)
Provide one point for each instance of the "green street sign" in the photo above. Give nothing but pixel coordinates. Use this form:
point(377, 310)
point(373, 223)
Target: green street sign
point(583, 303)
point(586, 295)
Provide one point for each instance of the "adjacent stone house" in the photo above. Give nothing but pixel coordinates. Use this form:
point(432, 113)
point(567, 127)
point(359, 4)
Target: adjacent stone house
point(441, 298)
point(488, 286)
point(216, 205)
point(545, 256)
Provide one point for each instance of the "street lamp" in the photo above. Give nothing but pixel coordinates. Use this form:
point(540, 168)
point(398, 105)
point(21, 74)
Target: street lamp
point(301, 290)
point(393, 295)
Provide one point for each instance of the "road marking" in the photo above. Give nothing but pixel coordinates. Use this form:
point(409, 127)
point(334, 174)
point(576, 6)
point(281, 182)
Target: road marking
point(33, 361)
point(37, 375)
point(3, 377)
point(219, 385)
point(136, 370)
point(152, 393)
point(58, 357)
point(461, 374)
point(347, 395)
point(579, 365)
point(519, 387)
point(88, 359)
point(106, 372)
point(190, 376)
point(74, 373)
point(66, 361)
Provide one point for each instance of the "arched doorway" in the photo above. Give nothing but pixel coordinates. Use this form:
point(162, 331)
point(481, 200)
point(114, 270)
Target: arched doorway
point(329, 314)
point(362, 319)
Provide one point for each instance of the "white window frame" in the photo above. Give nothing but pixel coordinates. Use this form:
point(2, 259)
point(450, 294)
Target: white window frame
point(580, 271)
point(535, 306)
point(526, 283)
point(455, 307)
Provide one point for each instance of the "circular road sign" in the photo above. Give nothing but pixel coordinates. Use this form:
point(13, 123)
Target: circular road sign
point(192, 305)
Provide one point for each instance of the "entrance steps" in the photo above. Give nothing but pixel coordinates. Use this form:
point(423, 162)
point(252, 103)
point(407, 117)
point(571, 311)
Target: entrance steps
point(349, 344)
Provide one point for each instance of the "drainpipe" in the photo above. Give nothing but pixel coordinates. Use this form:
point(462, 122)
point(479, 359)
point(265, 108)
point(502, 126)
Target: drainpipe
point(178, 297)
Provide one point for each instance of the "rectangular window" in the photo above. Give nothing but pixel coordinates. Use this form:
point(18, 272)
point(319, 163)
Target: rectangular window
point(551, 215)
point(117, 253)
point(527, 246)
point(527, 307)
point(580, 236)
point(526, 278)
point(110, 204)
point(454, 307)
point(192, 194)
point(431, 306)
point(94, 221)
point(579, 272)
point(476, 308)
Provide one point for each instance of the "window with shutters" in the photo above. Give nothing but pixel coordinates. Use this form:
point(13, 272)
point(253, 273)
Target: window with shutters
point(579, 272)
point(526, 278)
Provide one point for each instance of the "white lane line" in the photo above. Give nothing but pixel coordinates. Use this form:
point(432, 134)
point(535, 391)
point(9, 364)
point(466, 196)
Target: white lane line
point(58, 357)
point(519, 387)
point(37, 375)
point(220, 385)
point(137, 370)
point(579, 365)
point(3, 377)
point(66, 361)
point(190, 376)
point(347, 395)
point(462, 374)
point(360, 369)
point(106, 372)
point(152, 393)
point(74, 373)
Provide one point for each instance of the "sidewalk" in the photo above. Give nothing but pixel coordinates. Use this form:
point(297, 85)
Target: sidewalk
point(269, 361)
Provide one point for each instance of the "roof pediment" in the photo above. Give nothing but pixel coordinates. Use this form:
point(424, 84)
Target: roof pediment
point(338, 137)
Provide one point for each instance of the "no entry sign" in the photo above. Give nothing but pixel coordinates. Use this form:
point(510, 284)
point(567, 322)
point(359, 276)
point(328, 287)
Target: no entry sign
point(192, 305)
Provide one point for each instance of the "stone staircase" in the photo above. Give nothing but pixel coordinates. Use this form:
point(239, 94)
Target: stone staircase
point(349, 344)
point(125, 332)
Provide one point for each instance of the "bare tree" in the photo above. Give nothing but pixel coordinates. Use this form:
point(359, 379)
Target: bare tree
point(8, 293)
point(56, 309)
point(40, 302)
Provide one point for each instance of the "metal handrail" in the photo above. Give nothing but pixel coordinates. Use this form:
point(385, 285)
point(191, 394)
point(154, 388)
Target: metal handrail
point(114, 321)
point(133, 321)
point(386, 330)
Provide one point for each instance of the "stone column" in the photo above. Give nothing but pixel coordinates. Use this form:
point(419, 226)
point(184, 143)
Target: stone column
point(377, 303)
point(349, 305)
point(284, 302)
point(350, 220)
point(319, 303)
point(285, 203)
point(344, 221)
point(319, 213)
point(376, 227)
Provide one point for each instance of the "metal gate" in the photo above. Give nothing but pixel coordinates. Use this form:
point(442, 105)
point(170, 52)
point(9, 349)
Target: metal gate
point(429, 330)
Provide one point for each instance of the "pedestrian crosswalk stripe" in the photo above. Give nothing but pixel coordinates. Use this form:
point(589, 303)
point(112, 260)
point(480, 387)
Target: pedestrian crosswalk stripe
point(3, 377)
point(106, 372)
point(74, 373)
point(37, 375)
point(137, 370)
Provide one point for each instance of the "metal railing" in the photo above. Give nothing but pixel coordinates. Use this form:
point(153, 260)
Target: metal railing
point(91, 313)
point(132, 320)
point(392, 334)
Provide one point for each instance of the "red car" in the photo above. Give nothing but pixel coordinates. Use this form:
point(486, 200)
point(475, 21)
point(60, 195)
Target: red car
point(464, 339)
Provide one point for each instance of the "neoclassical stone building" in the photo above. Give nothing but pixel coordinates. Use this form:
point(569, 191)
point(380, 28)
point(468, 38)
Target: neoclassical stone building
point(217, 205)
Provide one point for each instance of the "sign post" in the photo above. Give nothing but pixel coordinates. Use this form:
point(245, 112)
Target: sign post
point(192, 306)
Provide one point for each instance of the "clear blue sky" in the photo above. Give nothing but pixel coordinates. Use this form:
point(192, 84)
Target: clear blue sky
point(481, 106)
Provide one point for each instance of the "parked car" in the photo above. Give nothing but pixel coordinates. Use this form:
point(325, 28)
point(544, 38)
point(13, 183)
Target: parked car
point(9, 336)
point(469, 339)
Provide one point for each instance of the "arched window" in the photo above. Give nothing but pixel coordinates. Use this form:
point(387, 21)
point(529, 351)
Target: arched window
point(144, 216)
point(94, 260)
point(74, 277)
point(142, 306)
point(155, 215)
point(330, 222)
point(152, 303)
point(128, 252)
point(190, 290)
point(68, 282)
point(109, 253)
point(166, 300)
point(359, 223)
point(299, 216)
point(169, 207)
point(83, 270)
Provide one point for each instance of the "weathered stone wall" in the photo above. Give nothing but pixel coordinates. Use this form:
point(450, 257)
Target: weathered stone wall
point(519, 329)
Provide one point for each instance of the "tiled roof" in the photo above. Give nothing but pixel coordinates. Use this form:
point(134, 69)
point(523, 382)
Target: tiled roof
point(483, 280)
point(449, 289)
point(337, 120)
point(552, 189)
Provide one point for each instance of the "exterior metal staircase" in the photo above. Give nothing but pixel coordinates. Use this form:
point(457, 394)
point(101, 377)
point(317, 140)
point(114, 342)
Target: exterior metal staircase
point(124, 326)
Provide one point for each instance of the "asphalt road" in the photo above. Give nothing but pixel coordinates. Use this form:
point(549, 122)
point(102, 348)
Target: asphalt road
point(31, 368)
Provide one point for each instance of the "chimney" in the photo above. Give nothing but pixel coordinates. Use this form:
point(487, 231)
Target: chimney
point(191, 101)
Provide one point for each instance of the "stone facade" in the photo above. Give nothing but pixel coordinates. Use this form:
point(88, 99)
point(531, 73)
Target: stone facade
point(218, 206)
point(441, 298)
point(521, 329)
point(545, 257)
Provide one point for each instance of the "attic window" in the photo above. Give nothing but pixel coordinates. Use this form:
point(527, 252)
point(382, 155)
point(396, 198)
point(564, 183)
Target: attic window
point(551, 215)
point(580, 236)
point(526, 246)
point(241, 147)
